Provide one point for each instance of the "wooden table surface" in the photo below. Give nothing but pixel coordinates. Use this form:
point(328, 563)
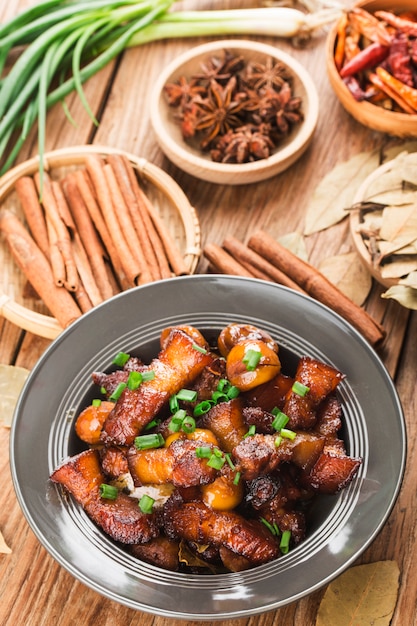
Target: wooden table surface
point(34, 589)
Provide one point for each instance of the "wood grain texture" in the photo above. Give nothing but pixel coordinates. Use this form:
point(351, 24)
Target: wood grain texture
point(34, 589)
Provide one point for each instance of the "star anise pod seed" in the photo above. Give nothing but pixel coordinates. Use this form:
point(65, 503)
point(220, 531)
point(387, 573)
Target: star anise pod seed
point(219, 69)
point(218, 111)
point(182, 91)
point(269, 74)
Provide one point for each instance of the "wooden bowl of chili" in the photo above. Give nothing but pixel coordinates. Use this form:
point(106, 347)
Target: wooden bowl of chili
point(371, 64)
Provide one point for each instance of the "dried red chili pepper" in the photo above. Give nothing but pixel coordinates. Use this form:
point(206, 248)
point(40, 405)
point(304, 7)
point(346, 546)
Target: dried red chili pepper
point(367, 58)
point(399, 60)
point(404, 25)
point(391, 93)
point(355, 89)
point(409, 94)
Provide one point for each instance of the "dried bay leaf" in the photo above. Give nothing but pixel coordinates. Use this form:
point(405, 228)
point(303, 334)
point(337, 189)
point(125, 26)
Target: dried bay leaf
point(12, 379)
point(349, 274)
point(363, 595)
point(399, 224)
point(4, 548)
point(406, 296)
point(336, 191)
point(399, 267)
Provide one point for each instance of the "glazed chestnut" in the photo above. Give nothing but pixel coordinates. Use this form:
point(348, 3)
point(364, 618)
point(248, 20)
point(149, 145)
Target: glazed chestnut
point(251, 363)
point(192, 332)
point(235, 333)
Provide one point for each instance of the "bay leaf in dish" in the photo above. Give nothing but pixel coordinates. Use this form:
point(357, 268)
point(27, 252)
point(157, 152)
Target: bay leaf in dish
point(399, 224)
point(406, 296)
point(399, 266)
point(363, 595)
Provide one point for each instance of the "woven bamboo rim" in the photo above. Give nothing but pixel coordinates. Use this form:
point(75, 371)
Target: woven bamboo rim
point(172, 205)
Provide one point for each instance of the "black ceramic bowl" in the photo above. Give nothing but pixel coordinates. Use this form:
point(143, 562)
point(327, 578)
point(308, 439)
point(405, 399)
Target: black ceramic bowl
point(341, 526)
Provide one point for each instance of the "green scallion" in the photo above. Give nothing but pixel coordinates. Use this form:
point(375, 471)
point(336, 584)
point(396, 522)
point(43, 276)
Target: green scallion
point(280, 420)
point(251, 431)
point(187, 395)
point(146, 442)
point(121, 359)
point(203, 407)
point(109, 492)
point(134, 380)
point(195, 346)
point(287, 433)
point(188, 424)
point(203, 452)
point(216, 461)
point(146, 504)
point(236, 478)
point(300, 389)
point(146, 376)
point(118, 391)
point(251, 359)
point(284, 544)
point(96, 402)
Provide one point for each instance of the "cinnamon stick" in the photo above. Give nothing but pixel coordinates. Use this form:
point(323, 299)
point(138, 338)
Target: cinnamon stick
point(120, 170)
point(33, 263)
point(223, 262)
point(83, 182)
point(85, 272)
point(126, 225)
point(63, 238)
point(316, 285)
point(257, 264)
point(95, 166)
point(143, 213)
point(88, 235)
point(35, 218)
point(55, 256)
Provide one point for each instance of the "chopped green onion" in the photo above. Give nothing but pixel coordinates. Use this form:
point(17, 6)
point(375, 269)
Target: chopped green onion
point(284, 544)
point(188, 424)
point(288, 434)
point(177, 420)
point(187, 395)
point(108, 491)
point(269, 526)
point(251, 431)
point(236, 478)
point(223, 384)
point(233, 392)
point(251, 359)
point(145, 442)
point(146, 504)
point(103, 390)
point(118, 391)
point(152, 424)
point(203, 407)
point(203, 452)
point(150, 375)
point(219, 396)
point(96, 402)
point(216, 461)
point(300, 389)
point(134, 380)
point(280, 419)
point(195, 346)
point(229, 460)
point(121, 359)
point(277, 441)
point(173, 404)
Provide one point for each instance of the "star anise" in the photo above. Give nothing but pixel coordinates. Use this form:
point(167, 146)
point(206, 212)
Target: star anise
point(220, 69)
point(218, 111)
point(244, 144)
point(182, 91)
point(270, 75)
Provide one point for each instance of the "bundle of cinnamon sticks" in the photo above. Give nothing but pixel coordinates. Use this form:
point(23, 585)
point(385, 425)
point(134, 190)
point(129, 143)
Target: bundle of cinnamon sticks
point(89, 235)
point(265, 258)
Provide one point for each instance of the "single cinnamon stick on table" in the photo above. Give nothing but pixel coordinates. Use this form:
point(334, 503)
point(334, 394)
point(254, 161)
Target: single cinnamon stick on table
point(316, 285)
point(37, 270)
point(254, 262)
point(223, 262)
point(35, 217)
point(55, 257)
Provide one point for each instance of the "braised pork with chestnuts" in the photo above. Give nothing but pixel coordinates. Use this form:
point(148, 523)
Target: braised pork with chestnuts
point(209, 458)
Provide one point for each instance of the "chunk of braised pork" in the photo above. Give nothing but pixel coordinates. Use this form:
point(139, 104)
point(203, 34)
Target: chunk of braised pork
point(321, 380)
point(161, 551)
point(259, 454)
point(225, 420)
point(195, 522)
point(121, 518)
point(329, 417)
point(114, 462)
point(176, 366)
point(276, 498)
point(177, 464)
point(270, 394)
point(261, 419)
point(332, 472)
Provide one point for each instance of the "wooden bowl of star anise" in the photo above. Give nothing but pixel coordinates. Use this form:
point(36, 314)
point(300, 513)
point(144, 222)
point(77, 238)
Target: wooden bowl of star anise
point(234, 112)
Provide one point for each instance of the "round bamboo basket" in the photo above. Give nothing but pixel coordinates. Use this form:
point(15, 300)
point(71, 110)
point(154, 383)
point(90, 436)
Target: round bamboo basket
point(21, 306)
